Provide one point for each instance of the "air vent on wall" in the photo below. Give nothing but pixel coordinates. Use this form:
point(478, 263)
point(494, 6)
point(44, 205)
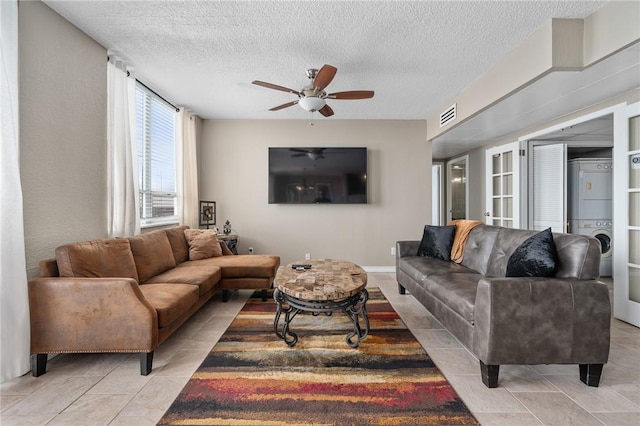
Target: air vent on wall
point(448, 115)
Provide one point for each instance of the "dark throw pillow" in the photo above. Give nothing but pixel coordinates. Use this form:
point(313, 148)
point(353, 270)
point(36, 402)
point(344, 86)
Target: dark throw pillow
point(535, 257)
point(437, 241)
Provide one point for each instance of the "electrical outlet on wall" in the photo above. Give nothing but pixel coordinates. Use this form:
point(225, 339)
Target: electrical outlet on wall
point(307, 256)
point(393, 251)
point(250, 250)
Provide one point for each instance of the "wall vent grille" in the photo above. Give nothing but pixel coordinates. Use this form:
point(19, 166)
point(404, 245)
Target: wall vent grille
point(448, 115)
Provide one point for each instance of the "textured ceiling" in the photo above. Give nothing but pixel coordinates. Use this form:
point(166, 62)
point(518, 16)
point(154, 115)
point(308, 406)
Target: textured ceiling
point(416, 55)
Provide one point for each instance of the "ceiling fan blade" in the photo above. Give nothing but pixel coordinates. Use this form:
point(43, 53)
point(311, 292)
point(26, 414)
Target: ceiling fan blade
point(353, 94)
point(275, 87)
point(326, 111)
point(287, 105)
point(324, 77)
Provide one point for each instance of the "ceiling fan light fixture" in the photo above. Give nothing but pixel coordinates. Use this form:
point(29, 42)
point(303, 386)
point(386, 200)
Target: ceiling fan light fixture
point(311, 103)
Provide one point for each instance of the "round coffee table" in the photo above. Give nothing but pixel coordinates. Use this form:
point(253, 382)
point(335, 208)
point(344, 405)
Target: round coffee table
point(326, 287)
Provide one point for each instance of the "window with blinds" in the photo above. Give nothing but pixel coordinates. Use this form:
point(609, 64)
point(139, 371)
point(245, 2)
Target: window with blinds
point(156, 159)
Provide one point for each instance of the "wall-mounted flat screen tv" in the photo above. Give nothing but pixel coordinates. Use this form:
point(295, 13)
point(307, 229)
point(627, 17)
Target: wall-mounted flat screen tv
point(317, 175)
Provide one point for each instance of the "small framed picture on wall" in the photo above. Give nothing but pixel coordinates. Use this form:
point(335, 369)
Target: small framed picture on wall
point(207, 213)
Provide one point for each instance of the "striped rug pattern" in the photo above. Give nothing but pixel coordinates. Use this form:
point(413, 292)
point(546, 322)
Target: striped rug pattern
point(251, 377)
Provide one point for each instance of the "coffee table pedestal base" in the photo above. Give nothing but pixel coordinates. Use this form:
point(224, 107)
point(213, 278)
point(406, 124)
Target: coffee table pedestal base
point(353, 307)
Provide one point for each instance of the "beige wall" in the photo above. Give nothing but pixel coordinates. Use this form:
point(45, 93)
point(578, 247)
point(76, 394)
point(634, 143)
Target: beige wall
point(234, 174)
point(63, 103)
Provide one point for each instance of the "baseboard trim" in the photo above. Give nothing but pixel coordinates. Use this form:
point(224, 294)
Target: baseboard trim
point(391, 269)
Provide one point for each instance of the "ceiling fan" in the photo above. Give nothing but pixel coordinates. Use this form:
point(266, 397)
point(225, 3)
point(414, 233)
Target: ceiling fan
point(313, 97)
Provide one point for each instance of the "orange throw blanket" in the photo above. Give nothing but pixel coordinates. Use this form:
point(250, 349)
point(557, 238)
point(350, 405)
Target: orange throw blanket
point(463, 227)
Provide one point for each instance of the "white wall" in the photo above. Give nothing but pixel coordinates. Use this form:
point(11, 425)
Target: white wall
point(63, 142)
point(234, 173)
point(477, 198)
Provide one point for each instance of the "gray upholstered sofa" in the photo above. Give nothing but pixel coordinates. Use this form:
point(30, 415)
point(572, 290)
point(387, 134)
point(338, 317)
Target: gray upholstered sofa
point(564, 319)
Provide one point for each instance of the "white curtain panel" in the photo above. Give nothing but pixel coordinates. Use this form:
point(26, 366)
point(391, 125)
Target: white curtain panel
point(122, 165)
point(188, 203)
point(14, 302)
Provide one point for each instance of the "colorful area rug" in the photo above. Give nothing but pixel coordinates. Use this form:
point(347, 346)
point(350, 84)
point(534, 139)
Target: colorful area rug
point(251, 377)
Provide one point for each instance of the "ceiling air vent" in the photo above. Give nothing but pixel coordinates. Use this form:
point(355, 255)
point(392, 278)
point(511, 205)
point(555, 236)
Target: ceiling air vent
point(448, 115)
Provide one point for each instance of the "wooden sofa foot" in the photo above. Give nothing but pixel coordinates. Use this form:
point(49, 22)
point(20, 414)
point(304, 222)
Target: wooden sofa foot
point(590, 374)
point(401, 289)
point(489, 374)
point(38, 364)
point(146, 362)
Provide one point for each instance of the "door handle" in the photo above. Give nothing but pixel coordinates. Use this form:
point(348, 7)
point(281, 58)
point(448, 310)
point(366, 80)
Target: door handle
point(487, 214)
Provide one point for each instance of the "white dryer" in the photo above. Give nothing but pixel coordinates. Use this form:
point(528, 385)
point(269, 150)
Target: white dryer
point(602, 230)
point(590, 182)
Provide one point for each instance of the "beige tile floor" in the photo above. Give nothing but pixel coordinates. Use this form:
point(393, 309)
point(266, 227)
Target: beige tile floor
point(106, 389)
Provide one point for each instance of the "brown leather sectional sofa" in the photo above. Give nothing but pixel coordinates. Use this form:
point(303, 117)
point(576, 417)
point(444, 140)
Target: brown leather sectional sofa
point(130, 294)
point(563, 319)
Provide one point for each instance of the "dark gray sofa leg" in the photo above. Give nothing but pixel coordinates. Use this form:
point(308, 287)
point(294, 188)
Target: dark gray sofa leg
point(489, 374)
point(401, 289)
point(263, 293)
point(590, 374)
point(146, 361)
point(38, 364)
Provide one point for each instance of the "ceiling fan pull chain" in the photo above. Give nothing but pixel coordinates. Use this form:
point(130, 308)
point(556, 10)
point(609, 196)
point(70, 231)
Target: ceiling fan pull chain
point(311, 118)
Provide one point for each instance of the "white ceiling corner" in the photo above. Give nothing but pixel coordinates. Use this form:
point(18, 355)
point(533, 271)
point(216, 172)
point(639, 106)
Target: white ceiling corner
point(416, 55)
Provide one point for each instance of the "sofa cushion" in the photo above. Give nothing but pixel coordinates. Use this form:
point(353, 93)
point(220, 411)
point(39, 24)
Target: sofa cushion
point(97, 259)
point(205, 277)
point(203, 243)
point(171, 301)
point(178, 242)
point(152, 254)
point(241, 266)
point(418, 269)
point(477, 250)
point(437, 242)
point(457, 291)
point(507, 241)
point(535, 257)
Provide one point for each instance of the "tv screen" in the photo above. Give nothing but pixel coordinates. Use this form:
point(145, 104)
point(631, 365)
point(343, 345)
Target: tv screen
point(317, 175)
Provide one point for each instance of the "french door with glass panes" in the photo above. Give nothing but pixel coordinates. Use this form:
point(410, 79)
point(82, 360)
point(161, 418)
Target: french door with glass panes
point(626, 214)
point(503, 186)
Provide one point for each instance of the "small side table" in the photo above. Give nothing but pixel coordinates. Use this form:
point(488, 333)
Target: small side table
point(231, 240)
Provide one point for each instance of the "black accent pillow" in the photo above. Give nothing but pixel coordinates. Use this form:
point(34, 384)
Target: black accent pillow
point(437, 241)
point(535, 257)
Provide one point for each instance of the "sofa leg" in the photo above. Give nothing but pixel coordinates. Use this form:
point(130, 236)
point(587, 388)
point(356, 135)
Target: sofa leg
point(38, 364)
point(146, 362)
point(401, 289)
point(590, 374)
point(489, 374)
point(263, 293)
point(226, 295)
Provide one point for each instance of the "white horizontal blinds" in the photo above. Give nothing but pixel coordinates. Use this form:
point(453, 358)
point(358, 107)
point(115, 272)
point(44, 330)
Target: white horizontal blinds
point(156, 158)
point(549, 187)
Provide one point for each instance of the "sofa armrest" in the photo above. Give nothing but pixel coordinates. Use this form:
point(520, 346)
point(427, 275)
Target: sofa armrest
point(90, 315)
point(541, 321)
point(406, 248)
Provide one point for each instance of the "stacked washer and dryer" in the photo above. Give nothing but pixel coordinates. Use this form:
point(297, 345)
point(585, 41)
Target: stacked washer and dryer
point(590, 204)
